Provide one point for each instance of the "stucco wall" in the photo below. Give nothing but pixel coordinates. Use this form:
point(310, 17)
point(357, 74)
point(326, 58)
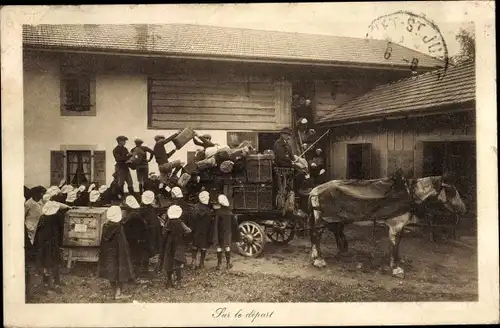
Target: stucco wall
point(121, 103)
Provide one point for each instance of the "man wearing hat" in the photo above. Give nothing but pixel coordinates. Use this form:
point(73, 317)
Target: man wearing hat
point(204, 141)
point(142, 168)
point(161, 154)
point(122, 171)
point(283, 150)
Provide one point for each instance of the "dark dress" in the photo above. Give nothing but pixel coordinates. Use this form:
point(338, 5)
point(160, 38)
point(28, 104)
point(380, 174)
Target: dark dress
point(152, 185)
point(225, 228)
point(115, 263)
point(202, 226)
point(82, 199)
point(48, 240)
point(175, 245)
point(148, 214)
point(137, 233)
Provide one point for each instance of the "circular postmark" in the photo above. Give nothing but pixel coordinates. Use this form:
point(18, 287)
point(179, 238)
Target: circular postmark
point(415, 32)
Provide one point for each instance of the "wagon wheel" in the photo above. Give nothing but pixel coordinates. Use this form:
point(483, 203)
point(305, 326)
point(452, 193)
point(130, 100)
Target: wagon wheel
point(253, 239)
point(282, 232)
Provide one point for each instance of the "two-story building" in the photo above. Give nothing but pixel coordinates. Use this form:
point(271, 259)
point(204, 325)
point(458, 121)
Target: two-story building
point(86, 84)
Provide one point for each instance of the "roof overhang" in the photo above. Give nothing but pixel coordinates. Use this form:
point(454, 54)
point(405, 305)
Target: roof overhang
point(451, 108)
point(228, 58)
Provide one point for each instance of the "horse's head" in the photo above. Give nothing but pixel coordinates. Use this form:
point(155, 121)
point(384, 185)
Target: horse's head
point(442, 189)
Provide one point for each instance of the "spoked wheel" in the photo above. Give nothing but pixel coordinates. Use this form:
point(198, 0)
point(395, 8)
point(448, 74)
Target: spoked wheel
point(253, 239)
point(282, 232)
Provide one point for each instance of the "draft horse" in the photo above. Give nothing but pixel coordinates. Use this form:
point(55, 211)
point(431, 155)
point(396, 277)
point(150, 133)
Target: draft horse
point(335, 203)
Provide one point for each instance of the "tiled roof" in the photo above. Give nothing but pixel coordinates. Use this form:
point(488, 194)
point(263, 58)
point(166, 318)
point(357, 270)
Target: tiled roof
point(424, 92)
point(222, 42)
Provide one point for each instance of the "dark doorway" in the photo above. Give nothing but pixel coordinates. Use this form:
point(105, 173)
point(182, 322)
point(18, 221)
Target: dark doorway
point(303, 100)
point(359, 161)
point(266, 140)
point(458, 158)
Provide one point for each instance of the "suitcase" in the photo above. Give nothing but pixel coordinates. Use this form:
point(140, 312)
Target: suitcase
point(183, 137)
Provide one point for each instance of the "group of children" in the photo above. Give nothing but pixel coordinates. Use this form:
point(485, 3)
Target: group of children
point(134, 233)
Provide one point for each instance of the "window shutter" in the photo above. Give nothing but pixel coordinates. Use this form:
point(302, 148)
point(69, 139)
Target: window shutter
point(400, 159)
point(339, 160)
point(56, 167)
point(100, 167)
point(418, 159)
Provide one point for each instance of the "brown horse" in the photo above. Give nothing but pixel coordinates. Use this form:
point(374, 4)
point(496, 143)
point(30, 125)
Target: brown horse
point(395, 201)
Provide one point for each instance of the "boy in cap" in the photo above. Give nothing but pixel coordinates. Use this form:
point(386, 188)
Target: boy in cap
point(115, 263)
point(204, 141)
point(161, 154)
point(283, 150)
point(142, 168)
point(175, 244)
point(121, 154)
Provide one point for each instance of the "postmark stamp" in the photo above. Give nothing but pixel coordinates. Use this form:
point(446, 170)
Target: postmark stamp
point(410, 30)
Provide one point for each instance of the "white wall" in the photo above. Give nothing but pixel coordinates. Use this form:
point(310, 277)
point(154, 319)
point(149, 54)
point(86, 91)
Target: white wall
point(121, 110)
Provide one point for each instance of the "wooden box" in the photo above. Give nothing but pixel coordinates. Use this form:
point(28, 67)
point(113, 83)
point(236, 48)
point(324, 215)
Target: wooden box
point(259, 168)
point(253, 197)
point(183, 137)
point(83, 226)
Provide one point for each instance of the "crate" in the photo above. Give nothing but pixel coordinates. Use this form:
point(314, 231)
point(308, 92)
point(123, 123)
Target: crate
point(80, 254)
point(253, 197)
point(259, 168)
point(183, 138)
point(83, 226)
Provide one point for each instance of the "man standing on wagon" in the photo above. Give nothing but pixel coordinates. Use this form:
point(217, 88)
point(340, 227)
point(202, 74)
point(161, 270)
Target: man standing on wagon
point(142, 167)
point(162, 156)
point(122, 171)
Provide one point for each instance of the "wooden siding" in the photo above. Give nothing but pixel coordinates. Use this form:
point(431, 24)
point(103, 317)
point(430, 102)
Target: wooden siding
point(215, 102)
point(398, 143)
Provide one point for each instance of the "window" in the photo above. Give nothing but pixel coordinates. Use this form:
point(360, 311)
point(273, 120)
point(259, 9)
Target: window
point(77, 95)
point(78, 167)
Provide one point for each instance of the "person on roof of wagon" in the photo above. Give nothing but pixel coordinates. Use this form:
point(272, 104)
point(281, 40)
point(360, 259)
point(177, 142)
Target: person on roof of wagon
point(122, 155)
point(204, 141)
point(283, 149)
point(115, 262)
point(161, 154)
point(142, 168)
point(152, 183)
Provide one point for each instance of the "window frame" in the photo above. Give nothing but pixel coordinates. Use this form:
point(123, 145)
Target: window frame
point(67, 165)
point(85, 77)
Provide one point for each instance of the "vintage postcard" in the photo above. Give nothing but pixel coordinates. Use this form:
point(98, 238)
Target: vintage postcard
point(268, 164)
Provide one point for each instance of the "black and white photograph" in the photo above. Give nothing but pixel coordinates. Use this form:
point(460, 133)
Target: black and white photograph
point(269, 161)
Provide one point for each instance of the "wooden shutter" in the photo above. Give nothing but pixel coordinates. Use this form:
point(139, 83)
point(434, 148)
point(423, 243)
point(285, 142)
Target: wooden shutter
point(100, 167)
point(283, 103)
point(418, 159)
point(338, 157)
point(56, 167)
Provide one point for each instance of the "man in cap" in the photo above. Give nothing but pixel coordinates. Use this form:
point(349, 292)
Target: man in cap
point(161, 154)
point(122, 171)
point(283, 150)
point(204, 141)
point(142, 168)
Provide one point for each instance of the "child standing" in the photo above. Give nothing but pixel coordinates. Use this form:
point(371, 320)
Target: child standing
point(136, 232)
point(175, 244)
point(48, 242)
point(202, 228)
point(115, 263)
point(223, 230)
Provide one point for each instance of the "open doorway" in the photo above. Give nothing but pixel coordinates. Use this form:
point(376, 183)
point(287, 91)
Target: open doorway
point(458, 158)
point(266, 140)
point(359, 161)
point(303, 100)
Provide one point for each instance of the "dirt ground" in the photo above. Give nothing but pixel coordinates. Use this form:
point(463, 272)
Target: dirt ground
point(443, 270)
